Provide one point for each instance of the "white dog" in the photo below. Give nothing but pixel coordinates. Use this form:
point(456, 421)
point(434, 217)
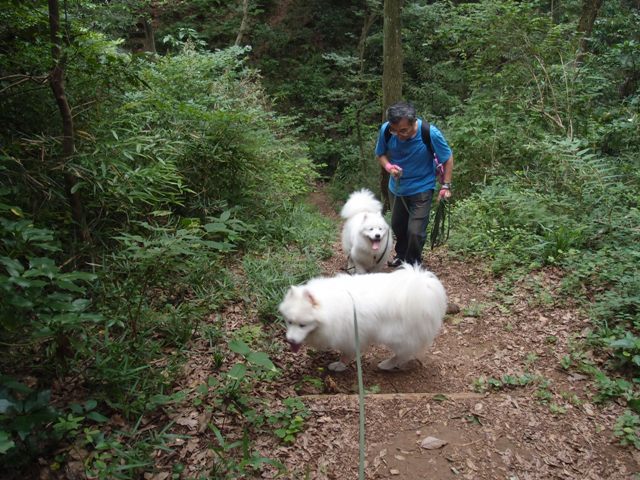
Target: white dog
point(366, 236)
point(402, 310)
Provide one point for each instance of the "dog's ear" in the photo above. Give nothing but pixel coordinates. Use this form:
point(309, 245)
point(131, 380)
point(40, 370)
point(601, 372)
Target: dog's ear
point(312, 300)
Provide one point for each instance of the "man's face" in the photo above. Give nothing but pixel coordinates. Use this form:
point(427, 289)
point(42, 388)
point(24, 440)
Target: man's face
point(404, 129)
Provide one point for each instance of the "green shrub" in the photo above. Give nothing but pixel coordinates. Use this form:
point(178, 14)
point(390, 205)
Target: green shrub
point(271, 273)
point(40, 302)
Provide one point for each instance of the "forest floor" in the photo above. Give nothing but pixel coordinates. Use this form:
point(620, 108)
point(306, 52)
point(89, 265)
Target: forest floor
point(491, 393)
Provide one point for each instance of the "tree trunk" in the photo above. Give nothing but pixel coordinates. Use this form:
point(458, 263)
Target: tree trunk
point(392, 70)
point(244, 22)
point(369, 20)
point(149, 36)
point(56, 80)
point(590, 9)
point(555, 12)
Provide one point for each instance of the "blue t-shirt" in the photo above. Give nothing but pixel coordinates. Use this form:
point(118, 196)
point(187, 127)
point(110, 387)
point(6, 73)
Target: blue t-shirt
point(418, 171)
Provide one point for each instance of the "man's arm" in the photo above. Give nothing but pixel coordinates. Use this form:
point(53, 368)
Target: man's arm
point(445, 189)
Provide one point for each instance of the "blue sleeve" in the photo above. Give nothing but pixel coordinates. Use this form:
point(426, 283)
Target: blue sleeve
point(440, 145)
point(381, 146)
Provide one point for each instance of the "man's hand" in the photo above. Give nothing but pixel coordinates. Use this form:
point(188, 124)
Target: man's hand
point(445, 192)
point(394, 170)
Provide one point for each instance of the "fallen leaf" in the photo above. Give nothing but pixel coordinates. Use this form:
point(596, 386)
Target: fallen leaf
point(432, 443)
point(161, 476)
point(393, 471)
point(399, 457)
point(203, 421)
point(192, 423)
point(471, 465)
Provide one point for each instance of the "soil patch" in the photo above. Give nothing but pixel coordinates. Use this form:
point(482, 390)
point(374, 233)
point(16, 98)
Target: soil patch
point(491, 389)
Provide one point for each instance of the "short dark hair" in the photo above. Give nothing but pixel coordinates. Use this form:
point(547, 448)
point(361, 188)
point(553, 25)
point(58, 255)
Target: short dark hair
point(400, 110)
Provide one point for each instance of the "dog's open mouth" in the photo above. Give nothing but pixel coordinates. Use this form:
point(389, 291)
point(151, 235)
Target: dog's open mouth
point(295, 346)
point(375, 244)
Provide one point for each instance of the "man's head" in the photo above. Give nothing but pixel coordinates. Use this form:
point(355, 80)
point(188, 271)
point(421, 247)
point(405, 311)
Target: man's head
point(402, 120)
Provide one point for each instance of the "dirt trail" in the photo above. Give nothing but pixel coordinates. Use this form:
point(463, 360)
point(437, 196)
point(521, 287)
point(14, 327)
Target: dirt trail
point(540, 423)
point(547, 428)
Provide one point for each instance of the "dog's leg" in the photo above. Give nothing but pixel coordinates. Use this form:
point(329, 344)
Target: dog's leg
point(337, 367)
point(397, 361)
point(341, 365)
point(351, 266)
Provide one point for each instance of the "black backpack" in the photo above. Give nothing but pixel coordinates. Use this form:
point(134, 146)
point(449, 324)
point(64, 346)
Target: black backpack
point(425, 133)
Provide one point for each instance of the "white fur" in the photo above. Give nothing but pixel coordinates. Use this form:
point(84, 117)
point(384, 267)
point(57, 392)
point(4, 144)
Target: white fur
point(402, 310)
point(366, 236)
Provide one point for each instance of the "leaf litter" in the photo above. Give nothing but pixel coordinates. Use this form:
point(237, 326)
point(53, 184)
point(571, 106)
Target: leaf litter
point(516, 435)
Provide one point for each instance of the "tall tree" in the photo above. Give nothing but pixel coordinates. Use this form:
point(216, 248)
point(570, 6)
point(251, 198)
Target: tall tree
point(555, 11)
point(149, 36)
point(244, 22)
point(370, 16)
point(392, 69)
point(56, 81)
point(590, 9)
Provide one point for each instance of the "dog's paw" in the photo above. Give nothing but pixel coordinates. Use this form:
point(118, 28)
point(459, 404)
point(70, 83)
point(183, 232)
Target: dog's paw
point(337, 367)
point(388, 364)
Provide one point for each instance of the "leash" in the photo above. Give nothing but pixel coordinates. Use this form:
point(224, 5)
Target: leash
point(441, 224)
point(350, 270)
point(397, 180)
point(360, 391)
point(441, 221)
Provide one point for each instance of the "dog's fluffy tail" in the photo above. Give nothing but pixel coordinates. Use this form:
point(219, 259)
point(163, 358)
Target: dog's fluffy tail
point(361, 201)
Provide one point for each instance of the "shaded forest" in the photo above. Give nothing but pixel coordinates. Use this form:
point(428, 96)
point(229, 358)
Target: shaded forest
point(155, 158)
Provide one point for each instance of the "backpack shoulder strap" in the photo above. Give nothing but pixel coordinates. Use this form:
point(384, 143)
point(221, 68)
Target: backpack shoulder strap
point(426, 137)
point(387, 133)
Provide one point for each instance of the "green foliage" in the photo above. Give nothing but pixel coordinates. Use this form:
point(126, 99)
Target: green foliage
point(271, 273)
point(24, 416)
point(612, 388)
point(120, 454)
point(196, 136)
point(165, 260)
point(289, 421)
point(227, 465)
point(39, 301)
point(626, 349)
point(482, 384)
point(186, 38)
point(182, 166)
point(627, 429)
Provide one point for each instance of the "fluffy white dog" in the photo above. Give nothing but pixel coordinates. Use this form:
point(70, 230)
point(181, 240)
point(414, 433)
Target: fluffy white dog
point(366, 236)
point(402, 310)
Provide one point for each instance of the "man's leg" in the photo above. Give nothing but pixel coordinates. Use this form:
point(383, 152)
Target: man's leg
point(416, 236)
point(399, 221)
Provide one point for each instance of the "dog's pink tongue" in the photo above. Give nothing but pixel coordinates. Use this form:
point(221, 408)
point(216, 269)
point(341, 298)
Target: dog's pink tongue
point(375, 245)
point(295, 347)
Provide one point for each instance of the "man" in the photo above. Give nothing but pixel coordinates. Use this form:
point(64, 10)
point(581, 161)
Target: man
point(412, 179)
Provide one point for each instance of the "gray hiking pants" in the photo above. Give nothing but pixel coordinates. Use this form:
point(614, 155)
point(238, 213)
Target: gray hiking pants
point(409, 221)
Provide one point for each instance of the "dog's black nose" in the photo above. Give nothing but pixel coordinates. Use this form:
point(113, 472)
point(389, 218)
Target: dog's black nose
point(377, 237)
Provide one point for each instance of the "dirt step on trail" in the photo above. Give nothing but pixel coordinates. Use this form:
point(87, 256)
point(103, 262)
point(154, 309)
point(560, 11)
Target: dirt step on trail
point(540, 422)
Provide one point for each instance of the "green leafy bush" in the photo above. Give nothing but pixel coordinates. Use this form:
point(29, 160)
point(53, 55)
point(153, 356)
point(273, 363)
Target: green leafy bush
point(39, 301)
point(24, 416)
point(627, 429)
